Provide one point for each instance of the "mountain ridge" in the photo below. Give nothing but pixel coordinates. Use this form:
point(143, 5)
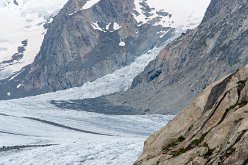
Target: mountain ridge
point(82, 45)
point(187, 65)
point(85, 43)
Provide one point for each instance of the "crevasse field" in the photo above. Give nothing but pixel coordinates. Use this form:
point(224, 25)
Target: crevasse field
point(33, 131)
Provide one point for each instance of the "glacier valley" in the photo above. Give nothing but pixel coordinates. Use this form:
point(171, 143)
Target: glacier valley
point(33, 131)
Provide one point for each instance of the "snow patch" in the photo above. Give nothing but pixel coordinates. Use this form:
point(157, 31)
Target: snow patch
point(89, 4)
point(19, 85)
point(122, 44)
point(110, 27)
point(96, 26)
point(15, 75)
point(116, 26)
point(107, 26)
point(163, 33)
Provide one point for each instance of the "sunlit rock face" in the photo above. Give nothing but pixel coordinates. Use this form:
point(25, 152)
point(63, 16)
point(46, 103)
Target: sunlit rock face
point(211, 130)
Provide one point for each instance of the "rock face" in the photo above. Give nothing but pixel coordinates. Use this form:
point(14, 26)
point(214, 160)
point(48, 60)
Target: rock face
point(216, 48)
point(212, 130)
point(186, 66)
point(84, 43)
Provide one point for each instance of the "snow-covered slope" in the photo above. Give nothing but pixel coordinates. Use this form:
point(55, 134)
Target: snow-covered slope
point(172, 13)
point(22, 25)
point(33, 131)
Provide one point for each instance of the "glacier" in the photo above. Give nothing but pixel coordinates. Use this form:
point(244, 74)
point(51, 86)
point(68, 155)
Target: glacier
point(33, 131)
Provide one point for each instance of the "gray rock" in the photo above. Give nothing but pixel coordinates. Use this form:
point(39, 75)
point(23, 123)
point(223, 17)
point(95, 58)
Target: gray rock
point(185, 67)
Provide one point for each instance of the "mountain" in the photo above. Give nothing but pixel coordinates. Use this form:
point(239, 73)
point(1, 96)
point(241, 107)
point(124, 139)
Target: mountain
point(22, 30)
point(211, 130)
point(217, 47)
point(89, 39)
point(184, 68)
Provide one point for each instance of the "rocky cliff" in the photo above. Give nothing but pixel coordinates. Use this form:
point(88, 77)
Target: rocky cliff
point(212, 130)
point(86, 41)
point(186, 66)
